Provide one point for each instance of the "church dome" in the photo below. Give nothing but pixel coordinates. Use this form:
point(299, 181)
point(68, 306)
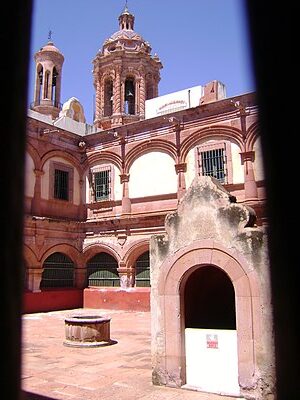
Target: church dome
point(50, 47)
point(126, 38)
point(49, 51)
point(126, 34)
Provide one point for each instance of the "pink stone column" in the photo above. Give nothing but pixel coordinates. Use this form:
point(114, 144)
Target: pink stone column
point(82, 208)
point(98, 109)
point(34, 277)
point(126, 203)
point(36, 201)
point(181, 186)
point(247, 158)
point(80, 276)
point(117, 93)
point(142, 97)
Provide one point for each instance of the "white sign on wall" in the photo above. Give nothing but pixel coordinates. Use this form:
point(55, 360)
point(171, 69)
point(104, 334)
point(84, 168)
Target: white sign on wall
point(212, 360)
point(173, 102)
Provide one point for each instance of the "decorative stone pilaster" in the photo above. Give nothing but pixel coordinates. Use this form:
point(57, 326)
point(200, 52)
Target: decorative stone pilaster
point(126, 276)
point(126, 203)
point(181, 186)
point(137, 94)
point(82, 208)
point(247, 159)
point(36, 201)
point(80, 277)
point(34, 277)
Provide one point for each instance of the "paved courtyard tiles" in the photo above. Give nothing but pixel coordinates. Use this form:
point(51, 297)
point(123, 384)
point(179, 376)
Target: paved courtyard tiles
point(121, 371)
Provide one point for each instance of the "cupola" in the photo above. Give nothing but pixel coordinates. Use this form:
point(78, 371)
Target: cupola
point(49, 61)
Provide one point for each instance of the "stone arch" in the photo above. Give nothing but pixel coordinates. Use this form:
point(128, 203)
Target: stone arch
point(216, 132)
point(102, 263)
point(31, 268)
point(251, 136)
point(153, 165)
point(95, 248)
point(64, 155)
point(103, 158)
point(147, 147)
point(175, 272)
point(131, 256)
point(72, 254)
point(135, 251)
point(66, 249)
point(30, 257)
point(33, 153)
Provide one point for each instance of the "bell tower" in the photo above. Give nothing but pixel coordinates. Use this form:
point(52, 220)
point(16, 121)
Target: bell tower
point(49, 61)
point(125, 76)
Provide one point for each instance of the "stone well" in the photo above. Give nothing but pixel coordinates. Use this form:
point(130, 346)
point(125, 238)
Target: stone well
point(87, 331)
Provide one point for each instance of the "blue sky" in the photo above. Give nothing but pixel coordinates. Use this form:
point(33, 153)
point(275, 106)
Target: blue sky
point(196, 40)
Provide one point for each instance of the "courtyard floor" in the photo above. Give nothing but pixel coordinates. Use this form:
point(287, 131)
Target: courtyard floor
point(121, 371)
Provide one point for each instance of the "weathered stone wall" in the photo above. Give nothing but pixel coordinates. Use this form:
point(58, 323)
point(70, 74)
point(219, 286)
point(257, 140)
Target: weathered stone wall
point(210, 228)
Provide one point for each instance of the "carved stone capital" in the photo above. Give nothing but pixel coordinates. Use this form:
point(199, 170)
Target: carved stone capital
point(124, 178)
point(180, 167)
point(247, 156)
point(38, 172)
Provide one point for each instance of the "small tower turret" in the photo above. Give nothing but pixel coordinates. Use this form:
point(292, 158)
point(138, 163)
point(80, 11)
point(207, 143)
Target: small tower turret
point(49, 61)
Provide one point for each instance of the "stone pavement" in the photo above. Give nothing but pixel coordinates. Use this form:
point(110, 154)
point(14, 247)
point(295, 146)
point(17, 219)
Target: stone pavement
point(120, 371)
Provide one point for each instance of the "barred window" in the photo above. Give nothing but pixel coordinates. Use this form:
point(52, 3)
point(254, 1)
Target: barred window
point(101, 183)
point(61, 181)
point(58, 271)
point(212, 162)
point(102, 270)
point(61, 184)
point(142, 270)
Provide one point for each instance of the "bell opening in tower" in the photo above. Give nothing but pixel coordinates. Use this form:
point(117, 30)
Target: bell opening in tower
point(129, 97)
point(54, 91)
point(108, 98)
point(39, 85)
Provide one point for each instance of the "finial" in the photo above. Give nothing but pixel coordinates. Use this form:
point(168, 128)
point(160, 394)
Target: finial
point(50, 35)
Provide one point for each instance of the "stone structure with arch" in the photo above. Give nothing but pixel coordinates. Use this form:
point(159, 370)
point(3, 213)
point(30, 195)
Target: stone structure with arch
point(221, 234)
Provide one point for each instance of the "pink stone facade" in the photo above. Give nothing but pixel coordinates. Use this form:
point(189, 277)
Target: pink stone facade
point(80, 227)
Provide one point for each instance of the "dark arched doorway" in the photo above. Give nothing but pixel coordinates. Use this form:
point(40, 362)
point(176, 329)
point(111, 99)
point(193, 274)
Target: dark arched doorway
point(209, 300)
point(210, 331)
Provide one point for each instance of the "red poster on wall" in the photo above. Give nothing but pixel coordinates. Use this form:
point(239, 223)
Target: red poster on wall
point(212, 341)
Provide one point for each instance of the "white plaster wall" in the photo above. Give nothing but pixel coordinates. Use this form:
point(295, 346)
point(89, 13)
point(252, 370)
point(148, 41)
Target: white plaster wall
point(45, 180)
point(29, 176)
point(190, 168)
point(152, 174)
point(116, 191)
point(258, 161)
point(46, 177)
point(237, 167)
